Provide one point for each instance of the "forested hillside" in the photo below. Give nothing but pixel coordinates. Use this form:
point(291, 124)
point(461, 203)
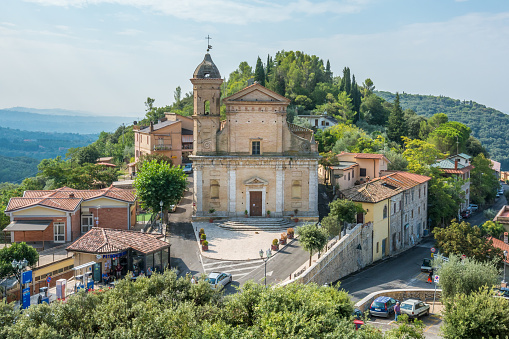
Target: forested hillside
point(18, 168)
point(487, 124)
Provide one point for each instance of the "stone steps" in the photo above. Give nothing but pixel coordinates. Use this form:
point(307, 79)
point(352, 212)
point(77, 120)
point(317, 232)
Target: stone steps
point(257, 224)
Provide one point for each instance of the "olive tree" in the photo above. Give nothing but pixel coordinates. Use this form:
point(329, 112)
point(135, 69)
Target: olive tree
point(312, 238)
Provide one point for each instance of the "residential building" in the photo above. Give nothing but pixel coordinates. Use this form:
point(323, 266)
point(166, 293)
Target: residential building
point(497, 168)
point(397, 205)
point(459, 167)
point(503, 217)
point(320, 121)
point(134, 251)
point(354, 169)
point(171, 136)
point(64, 214)
point(254, 161)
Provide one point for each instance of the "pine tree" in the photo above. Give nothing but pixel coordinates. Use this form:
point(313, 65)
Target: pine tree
point(396, 127)
point(328, 73)
point(259, 72)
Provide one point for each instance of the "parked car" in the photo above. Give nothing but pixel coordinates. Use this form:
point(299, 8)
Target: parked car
point(473, 208)
point(414, 308)
point(426, 265)
point(188, 168)
point(382, 307)
point(466, 214)
point(219, 280)
point(172, 208)
point(503, 292)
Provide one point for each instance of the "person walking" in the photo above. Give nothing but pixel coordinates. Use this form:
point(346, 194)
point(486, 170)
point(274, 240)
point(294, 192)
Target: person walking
point(430, 277)
point(397, 311)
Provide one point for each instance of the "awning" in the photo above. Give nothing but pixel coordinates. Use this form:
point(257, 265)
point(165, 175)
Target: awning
point(28, 225)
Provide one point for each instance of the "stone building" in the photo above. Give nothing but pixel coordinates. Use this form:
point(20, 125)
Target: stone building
point(254, 161)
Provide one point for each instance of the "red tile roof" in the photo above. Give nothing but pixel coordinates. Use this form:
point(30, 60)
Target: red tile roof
point(365, 155)
point(499, 244)
point(104, 240)
point(64, 204)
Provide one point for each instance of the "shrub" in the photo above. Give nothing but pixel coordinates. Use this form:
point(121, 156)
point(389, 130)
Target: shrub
point(205, 243)
point(203, 237)
point(202, 231)
point(290, 231)
point(283, 236)
point(275, 242)
point(211, 210)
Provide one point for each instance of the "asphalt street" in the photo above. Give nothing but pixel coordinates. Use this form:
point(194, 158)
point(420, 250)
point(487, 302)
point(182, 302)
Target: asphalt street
point(478, 218)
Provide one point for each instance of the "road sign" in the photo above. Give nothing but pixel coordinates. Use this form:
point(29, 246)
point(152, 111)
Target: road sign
point(437, 279)
point(433, 249)
point(26, 297)
point(432, 254)
point(26, 277)
point(48, 279)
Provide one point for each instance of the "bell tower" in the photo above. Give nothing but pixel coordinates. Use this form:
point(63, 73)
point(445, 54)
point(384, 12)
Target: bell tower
point(207, 96)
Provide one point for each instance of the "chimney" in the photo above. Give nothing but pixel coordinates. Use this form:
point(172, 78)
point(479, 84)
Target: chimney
point(456, 164)
point(71, 195)
point(151, 126)
point(505, 237)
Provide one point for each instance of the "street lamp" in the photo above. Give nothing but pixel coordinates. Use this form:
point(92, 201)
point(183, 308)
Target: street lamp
point(161, 203)
point(505, 258)
point(19, 266)
point(269, 254)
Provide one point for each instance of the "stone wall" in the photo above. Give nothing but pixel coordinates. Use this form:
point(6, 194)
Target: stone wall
point(353, 252)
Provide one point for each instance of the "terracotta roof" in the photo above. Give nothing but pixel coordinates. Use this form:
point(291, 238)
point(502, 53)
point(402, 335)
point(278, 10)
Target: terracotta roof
point(64, 204)
point(384, 187)
point(105, 240)
point(64, 192)
point(499, 244)
point(365, 155)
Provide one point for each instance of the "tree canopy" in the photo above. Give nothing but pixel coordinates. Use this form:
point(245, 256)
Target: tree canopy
point(17, 251)
point(312, 238)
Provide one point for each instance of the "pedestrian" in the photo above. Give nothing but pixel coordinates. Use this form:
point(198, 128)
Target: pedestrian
point(149, 271)
point(193, 281)
point(430, 277)
point(119, 271)
point(397, 311)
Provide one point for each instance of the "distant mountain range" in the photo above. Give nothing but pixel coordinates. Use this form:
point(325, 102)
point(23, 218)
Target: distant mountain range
point(60, 121)
point(487, 124)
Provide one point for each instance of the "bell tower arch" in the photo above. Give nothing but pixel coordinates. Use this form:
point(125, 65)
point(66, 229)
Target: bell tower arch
point(207, 99)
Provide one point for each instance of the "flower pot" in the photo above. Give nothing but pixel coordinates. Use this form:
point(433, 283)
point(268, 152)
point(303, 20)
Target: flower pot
point(290, 235)
point(201, 241)
point(282, 241)
point(204, 247)
point(274, 247)
point(296, 219)
point(211, 220)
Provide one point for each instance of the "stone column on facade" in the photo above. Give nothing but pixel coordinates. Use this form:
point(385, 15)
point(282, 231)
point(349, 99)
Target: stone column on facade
point(198, 190)
point(232, 190)
point(68, 224)
point(313, 189)
point(280, 190)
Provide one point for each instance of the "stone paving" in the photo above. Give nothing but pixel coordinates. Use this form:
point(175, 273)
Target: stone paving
point(236, 245)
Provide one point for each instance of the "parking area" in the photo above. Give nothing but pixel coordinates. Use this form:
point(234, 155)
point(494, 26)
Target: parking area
point(431, 322)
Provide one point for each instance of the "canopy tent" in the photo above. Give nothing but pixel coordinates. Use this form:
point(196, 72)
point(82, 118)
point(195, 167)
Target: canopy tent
point(28, 225)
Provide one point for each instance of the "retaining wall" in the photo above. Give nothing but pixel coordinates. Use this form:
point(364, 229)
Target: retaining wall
point(401, 294)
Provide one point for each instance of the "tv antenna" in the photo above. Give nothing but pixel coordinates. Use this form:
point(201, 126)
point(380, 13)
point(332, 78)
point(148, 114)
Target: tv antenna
point(209, 47)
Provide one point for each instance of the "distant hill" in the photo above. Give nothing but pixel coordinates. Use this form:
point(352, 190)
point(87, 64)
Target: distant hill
point(487, 124)
point(60, 121)
point(16, 169)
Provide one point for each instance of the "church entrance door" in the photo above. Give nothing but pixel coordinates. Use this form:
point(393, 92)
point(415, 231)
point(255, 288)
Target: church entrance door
point(255, 202)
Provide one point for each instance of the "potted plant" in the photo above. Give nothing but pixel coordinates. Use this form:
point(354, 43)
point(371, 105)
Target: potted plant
point(290, 233)
point(268, 214)
point(245, 213)
point(275, 245)
point(203, 238)
point(282, 241)
point(202, 231)
point(211, 211)
point(205, 245)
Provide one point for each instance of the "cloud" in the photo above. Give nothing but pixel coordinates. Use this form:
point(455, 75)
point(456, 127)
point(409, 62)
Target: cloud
point(130, 32)
point(225, 11)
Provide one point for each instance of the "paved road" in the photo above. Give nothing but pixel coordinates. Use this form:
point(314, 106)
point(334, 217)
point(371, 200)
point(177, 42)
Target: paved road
point(396, 272)
point(478, 218)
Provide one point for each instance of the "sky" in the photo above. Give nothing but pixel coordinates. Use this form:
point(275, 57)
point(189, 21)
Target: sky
point(108, 56)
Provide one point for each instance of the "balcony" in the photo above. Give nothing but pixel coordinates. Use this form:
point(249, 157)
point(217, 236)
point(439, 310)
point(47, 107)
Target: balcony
point(187, 146)
point(162, 147)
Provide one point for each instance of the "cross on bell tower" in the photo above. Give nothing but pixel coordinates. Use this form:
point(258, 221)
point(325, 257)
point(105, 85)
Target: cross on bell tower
point(209, 47)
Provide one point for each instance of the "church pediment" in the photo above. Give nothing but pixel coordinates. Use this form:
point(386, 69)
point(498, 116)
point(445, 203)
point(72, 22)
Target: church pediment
point(256, 93)
point(256, 181)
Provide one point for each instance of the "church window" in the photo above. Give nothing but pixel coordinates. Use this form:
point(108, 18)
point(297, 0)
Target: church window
point(206, 107)
point(255, 147)
point(214, 189)
point(296, 189)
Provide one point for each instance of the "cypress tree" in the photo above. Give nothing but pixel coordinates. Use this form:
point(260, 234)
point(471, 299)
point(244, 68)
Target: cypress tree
point(328, 73)
point(259, 72)
point(396, 126)
point(268, 69)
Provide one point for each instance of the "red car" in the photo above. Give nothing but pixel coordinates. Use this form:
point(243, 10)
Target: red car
point(466, 214)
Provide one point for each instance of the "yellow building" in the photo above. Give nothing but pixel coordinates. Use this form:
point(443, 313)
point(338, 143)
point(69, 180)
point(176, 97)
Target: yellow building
point(254, 161)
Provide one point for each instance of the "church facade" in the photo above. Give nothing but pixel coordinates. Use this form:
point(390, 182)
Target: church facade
point(254, 162)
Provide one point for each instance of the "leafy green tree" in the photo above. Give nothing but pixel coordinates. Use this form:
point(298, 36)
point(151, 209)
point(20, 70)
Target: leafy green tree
point(420, 154)
point(268, 69)
point(328, 73)
point(475, 315)
point(406, 329)
point(474, 147)
point(346, 82)
point(461, 238)
point(396, 126)
point(368, 87)
point(413, 123)
point(450, 137)
point(158, 157)
point(345, 211)
point(373, 110)
point(483, 182)
point(493, 228)
point(259, 74)
point(17, 251)
point(312, 239)
point(158, 182)
point(303, 122)
point(444, 198)
point(397, 161)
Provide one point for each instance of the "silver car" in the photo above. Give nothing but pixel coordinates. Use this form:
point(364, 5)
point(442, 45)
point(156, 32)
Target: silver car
point(219, 280)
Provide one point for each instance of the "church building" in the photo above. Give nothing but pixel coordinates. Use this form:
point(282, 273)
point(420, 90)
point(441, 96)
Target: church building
point(254, 162)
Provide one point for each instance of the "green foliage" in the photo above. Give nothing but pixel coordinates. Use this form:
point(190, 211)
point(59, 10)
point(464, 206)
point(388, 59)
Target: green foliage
point(444, 197)
point(461, 238)
point(483, 182)
point(158, 157)
point(397, 161)
point(489, 213)
point(259, 74)
point(238, 79)
point(450, 137)
point(493, 228)
point(303, 122)
point(396, 126)
point(465, 276)
point(16, 169)
point(312, 238)
point(406, 329)
point(373, 110)
point(83, 155)
point(18, 251)
point(487, 124)
point(157, 182)
point(476, 315)
point(345, 211)
point(420, 154)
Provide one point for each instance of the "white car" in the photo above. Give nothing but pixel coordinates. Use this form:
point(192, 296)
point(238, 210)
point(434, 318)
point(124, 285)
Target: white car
point(219, 280)
point(414, 308)
point(473, 207)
